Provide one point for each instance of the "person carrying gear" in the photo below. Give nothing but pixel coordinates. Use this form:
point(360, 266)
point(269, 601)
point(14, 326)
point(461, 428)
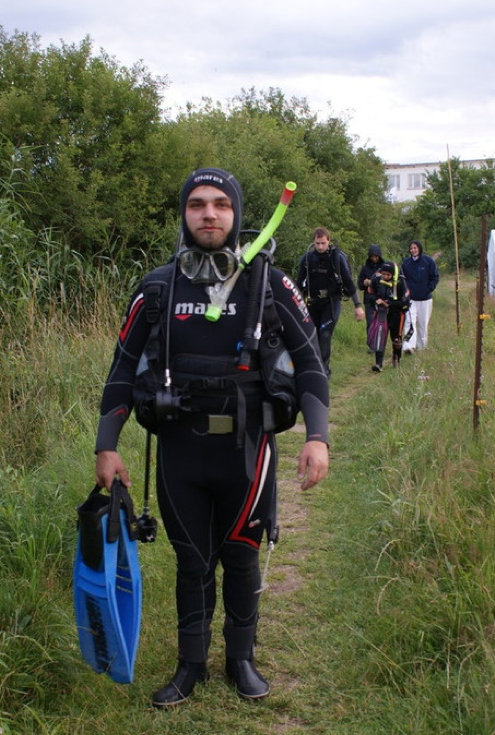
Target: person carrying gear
point(216, 460)
point(390, 295)
point(370, 267)
point(324, 275)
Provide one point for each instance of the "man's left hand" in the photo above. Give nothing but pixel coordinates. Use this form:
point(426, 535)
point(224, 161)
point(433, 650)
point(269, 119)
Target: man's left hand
point(359, 312)
point(313, 464)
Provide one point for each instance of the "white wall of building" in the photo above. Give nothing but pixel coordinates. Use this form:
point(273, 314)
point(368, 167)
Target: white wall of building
point(408, 181)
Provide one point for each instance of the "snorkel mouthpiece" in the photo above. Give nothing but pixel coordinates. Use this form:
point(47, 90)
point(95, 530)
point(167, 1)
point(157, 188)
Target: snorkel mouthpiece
point(221, 292)
point(213, 312)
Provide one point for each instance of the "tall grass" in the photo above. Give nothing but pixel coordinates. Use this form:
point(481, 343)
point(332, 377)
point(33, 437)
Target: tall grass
point(427, 482)
point(380, 615)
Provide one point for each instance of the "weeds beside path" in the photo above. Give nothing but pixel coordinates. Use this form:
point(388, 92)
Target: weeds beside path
point(394, 620)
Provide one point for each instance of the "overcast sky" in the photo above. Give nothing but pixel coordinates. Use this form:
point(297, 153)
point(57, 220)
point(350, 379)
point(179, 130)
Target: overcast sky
point(412, 78)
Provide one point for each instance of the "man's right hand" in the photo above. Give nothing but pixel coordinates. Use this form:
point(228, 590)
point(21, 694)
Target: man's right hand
point(108, 465)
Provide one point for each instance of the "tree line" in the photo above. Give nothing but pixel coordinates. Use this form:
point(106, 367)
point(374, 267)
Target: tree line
point(91, 164)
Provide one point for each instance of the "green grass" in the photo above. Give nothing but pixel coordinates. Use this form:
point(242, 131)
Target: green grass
point(379, 618)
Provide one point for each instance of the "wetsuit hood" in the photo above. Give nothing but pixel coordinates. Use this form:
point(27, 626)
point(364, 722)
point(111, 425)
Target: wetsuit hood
point(222, 180)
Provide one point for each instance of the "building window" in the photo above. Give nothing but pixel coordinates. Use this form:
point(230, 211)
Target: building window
point(416, 181)
point(394, 181)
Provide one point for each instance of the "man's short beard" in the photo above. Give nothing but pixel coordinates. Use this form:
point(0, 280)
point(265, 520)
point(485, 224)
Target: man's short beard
point(209, 245)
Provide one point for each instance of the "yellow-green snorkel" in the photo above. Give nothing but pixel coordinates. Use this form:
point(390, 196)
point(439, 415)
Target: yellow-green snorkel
point(220, 292)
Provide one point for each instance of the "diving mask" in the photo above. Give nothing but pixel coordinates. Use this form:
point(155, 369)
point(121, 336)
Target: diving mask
point(202, 266)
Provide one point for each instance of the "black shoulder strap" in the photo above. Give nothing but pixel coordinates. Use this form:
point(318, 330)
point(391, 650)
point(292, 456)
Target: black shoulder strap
point(336, 261)
point(156, 290)
point(154, 305)
point(271, 318)
point(119, 497)
point(153, 301)
point(156, 301)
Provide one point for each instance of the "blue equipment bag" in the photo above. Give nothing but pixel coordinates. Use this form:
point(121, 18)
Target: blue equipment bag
point(107, 583)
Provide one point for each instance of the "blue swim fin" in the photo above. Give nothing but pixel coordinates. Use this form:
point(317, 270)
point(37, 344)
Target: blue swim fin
point(107, 583)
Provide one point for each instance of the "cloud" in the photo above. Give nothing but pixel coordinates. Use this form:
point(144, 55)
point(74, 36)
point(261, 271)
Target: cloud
point(409, 75)
point(450, 63)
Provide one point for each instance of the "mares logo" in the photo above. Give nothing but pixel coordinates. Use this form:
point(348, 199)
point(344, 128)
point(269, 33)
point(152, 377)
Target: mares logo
point(187, 309)
point(208, 177)
point(296, 297)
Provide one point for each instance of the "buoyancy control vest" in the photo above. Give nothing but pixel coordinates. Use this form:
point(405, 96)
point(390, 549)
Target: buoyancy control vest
point(262, 368)
point(394, 291)
point(324, 273)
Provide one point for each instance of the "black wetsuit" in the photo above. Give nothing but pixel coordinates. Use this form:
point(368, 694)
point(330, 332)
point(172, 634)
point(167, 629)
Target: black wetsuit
point(215, 496)
point(321, 282)
point(367, 272)
point(398, 300)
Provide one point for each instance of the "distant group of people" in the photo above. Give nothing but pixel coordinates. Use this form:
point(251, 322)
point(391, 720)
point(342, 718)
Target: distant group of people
point(398, 300)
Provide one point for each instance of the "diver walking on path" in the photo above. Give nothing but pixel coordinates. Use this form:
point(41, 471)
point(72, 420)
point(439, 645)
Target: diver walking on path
point(390, 295)
point(216, 453)
point(324, 275)
point(370, 267)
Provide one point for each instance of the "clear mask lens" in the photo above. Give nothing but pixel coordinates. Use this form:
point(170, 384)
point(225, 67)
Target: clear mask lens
point(218, 265)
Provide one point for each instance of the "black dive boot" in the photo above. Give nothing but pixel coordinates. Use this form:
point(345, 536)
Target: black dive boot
point(181, 687)
point(246, 678)
point(239, 665)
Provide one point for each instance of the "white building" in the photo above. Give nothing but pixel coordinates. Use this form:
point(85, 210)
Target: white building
point(407, 181)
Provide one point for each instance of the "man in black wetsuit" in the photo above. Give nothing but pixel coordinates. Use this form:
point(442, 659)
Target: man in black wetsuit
point(215, 473)
point(323, 273)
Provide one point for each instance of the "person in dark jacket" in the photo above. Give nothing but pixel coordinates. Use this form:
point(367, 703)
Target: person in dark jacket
point(390, 295)
point(216, 457)
point(421, 274)
point(370, 267)
point(322, 276)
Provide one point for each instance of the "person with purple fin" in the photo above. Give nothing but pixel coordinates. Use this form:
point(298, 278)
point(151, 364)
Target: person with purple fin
point(391, 299)
point(370, 267)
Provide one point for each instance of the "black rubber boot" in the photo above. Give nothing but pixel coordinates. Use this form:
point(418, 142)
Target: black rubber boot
point(377, 368)
point(246, 678)
point(181, 687)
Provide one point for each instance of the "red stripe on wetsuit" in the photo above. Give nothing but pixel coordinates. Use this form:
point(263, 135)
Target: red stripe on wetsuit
point(253, 492)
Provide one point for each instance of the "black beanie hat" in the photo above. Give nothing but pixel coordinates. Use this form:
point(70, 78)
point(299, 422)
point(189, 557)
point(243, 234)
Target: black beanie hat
point(224, 181)
point(388, 267)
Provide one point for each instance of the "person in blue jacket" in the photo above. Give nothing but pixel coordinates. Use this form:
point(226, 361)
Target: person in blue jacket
point(421, 274)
